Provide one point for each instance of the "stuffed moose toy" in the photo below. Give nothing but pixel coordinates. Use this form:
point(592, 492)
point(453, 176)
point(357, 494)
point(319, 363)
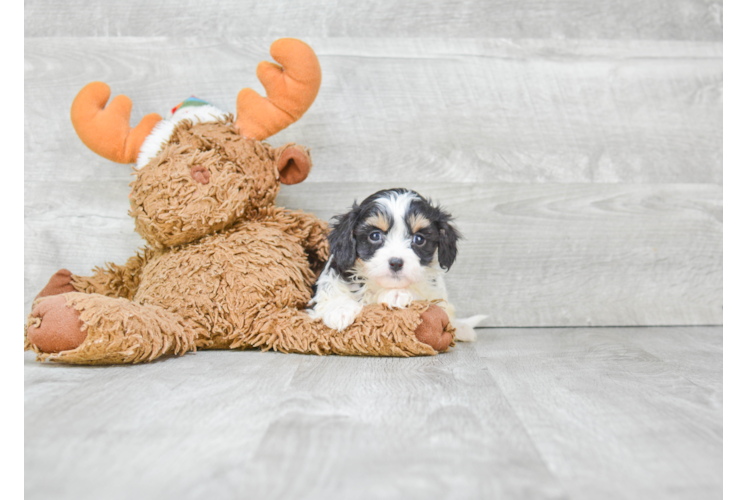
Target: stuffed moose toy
point(223, 267)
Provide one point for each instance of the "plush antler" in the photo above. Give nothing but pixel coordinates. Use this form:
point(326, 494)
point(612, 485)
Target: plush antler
point(106, 131)
point(291, 89)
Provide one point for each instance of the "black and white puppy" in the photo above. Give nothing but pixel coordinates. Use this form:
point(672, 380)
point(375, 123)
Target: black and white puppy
point(393, 248)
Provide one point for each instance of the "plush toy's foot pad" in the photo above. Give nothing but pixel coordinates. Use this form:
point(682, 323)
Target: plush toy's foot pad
point(432, 330)
point(55, 327)
point(59, 283)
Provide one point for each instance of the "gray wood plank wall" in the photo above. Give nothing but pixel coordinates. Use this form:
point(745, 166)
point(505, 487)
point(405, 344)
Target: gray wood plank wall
point(578, 142)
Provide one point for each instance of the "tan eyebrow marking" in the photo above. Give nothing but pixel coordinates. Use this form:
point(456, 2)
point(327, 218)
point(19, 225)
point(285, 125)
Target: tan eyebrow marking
point(417, 222)
point(379, 221)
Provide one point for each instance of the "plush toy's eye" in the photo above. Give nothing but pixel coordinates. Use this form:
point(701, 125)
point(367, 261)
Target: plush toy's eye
point(375, 236)
point(419, 240)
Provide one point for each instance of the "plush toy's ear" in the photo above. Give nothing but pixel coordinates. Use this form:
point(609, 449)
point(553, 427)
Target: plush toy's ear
point(294, 164)
point(342, 241)
point(448, 237)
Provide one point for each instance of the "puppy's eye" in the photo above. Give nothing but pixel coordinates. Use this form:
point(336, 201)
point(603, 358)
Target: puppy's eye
point(375, 236)
point(418, 240)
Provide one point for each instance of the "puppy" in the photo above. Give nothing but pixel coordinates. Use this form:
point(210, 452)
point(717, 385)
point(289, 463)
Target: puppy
point(393, 248)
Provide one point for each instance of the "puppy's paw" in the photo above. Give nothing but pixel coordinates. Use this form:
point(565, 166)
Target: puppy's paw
point(397, 298)
point(339, 318)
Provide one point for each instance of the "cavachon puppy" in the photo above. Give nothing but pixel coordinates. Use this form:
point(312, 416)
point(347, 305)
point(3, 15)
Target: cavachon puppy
point(391, 249)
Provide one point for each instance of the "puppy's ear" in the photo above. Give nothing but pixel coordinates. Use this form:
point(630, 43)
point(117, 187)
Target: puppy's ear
point(342, 242)
point(448, 237)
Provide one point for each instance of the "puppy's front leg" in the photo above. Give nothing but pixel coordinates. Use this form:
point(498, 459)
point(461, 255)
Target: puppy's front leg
point(399, 298)
point(334, 302)
point(340, 312)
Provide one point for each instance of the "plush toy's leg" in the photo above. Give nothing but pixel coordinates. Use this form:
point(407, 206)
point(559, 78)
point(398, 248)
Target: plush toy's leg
point(92, 329)
point(421, 329)
point(111, 280)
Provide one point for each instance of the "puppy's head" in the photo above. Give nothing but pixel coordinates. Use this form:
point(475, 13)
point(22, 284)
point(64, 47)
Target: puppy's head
point(393, 238)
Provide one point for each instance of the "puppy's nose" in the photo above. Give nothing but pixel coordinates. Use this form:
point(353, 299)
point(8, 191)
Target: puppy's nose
point(396, 264)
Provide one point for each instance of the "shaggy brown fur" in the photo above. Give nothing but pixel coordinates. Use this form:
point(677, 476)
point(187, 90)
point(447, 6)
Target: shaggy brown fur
point(224, 268)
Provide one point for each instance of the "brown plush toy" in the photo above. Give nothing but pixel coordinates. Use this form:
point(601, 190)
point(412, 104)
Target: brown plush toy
point(223, 268)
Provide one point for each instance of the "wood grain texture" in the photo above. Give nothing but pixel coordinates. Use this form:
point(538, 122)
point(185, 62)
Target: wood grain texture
point(521, 414)
point(643, 405)
point(411, 109)
point(582, 19)
point(272, 426)
point(533, 254)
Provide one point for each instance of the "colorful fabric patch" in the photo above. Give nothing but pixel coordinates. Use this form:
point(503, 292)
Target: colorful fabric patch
point(190, 102)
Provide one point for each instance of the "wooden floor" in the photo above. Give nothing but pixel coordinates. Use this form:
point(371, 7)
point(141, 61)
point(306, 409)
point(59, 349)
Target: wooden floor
point(577, 413)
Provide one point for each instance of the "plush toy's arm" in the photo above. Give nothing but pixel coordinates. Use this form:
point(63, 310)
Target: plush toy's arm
point(313, 234)
point(307, 228)
point(421, 329)
point(114, 280)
